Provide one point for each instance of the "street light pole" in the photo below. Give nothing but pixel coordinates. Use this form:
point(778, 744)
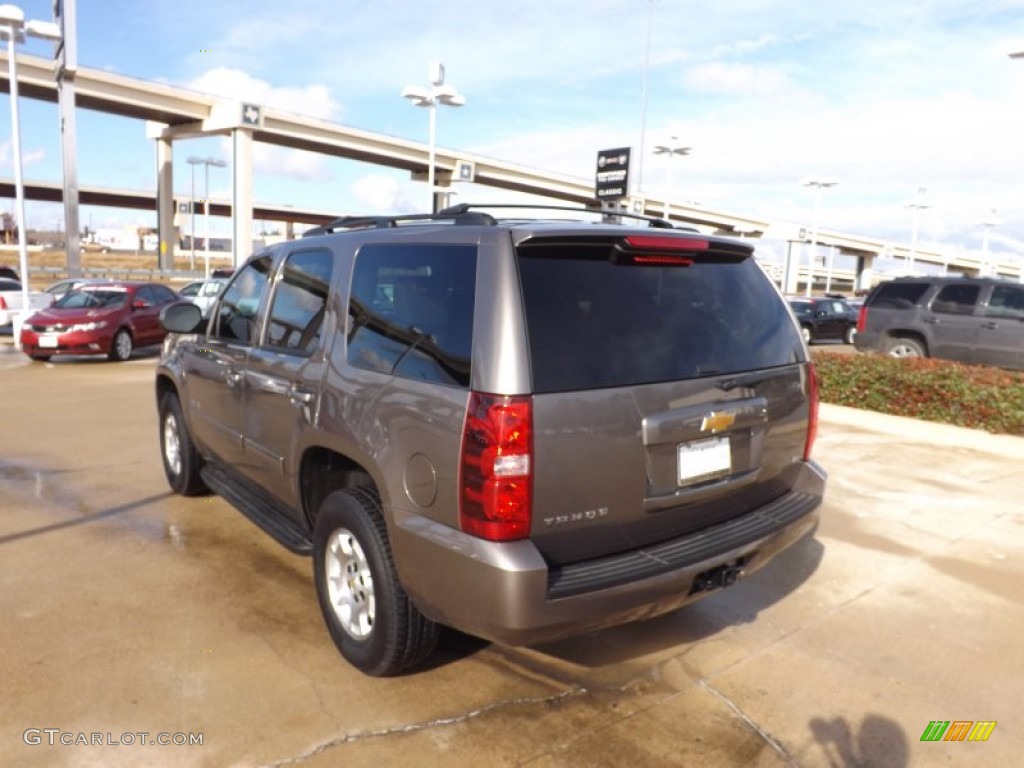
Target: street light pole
point(671, 149)
point(207, 162)
point(438, 93)
point(992, 220)
point(917, 205)
point(13, 28)
point(192, 213)
point(819, 185)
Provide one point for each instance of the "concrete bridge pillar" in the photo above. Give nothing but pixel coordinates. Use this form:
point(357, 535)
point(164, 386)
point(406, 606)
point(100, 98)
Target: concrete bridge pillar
point(241, 193)
point(165, 204)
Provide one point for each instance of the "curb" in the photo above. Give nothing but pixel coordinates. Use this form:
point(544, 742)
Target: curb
point(933, 433)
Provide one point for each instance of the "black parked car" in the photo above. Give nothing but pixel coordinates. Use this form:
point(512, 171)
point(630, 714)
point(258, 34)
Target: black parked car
point(971, 320)
point(823, 319)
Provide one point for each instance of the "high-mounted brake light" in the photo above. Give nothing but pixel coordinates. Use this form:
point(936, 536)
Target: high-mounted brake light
point(812, 410)
point(668, 259)
point(656, 243)
point(495, 472)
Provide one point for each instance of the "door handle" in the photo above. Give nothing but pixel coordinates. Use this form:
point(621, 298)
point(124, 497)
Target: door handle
point(991, 324)
point(932, 320)
point(233, 378)
point(300, 396)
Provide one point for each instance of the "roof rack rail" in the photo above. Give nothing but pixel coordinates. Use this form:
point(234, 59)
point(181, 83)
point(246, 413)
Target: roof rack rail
point(467, 213)
point(653, 221)
point(386, 222)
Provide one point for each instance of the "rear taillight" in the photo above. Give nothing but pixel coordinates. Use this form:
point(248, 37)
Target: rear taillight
point(862, 318)
point(812, 410)
point(3, 304)
point(495, 472)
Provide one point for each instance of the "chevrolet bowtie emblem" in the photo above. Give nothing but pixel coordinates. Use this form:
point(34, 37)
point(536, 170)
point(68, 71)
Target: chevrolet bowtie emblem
point(716, 421)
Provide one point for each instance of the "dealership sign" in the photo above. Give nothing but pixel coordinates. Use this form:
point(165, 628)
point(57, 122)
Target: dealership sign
point(612, 174)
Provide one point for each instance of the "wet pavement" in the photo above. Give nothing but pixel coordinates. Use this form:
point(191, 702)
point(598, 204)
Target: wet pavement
point(129, 611)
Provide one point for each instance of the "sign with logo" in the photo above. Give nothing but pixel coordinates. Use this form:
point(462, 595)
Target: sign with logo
point(612, 174)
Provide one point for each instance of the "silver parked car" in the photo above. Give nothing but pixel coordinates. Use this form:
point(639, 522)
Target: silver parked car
point(520, 428)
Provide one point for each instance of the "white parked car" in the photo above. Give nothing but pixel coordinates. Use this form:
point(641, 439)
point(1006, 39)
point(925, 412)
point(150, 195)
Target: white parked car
point(11, 301)
point(204, 293)
point(61, 287)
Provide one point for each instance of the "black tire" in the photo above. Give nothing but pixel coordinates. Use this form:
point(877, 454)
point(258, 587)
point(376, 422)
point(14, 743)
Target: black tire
point(122, 346)
point(182, 462)
point(40, 358)
point(903, 347)
point(850, 334)
point(368, 615)
point(805, 331)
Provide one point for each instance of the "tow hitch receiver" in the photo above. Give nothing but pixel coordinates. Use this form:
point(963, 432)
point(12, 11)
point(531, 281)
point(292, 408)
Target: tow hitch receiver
point(721, 576)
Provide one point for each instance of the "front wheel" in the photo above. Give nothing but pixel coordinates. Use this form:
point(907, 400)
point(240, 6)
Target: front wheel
point(121, 348)
point(368, 614)
point(181, 460)
point(904, 348)
point(806, 333)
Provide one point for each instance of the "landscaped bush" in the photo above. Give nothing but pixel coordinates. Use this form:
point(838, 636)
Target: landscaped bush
point(934, 390)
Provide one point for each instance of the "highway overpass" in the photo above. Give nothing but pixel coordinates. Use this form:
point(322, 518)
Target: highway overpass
point(174, 113)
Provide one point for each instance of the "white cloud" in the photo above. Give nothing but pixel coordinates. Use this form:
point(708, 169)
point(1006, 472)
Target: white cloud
point(758, 81)
point(313, 100)
point(28, 156)
point(377, 193)
point(292, 163)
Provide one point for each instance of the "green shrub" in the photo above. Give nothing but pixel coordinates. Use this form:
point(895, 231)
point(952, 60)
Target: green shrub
point(933, 390)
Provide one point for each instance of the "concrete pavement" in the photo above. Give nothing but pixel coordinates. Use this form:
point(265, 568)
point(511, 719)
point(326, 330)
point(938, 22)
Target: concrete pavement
point(128, 610)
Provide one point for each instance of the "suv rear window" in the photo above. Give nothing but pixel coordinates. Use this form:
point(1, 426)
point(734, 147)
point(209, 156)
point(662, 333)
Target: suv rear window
point(898, 295)
point(593, 323)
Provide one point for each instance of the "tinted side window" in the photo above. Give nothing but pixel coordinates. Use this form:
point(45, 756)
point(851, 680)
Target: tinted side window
point(163, 294)
point(593, 323)
point(411, 311)
point(898, 295)
point(237, 313)
point(300, 301)
point(145, 293)
point(956, 299)
point(1006, 301)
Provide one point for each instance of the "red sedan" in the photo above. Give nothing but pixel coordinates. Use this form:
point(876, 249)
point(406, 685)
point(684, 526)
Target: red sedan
point(99, 319)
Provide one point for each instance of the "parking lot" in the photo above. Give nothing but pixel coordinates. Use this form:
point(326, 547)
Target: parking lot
point(130, 611)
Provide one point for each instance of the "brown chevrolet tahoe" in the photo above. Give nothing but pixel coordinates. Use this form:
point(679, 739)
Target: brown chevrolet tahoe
point(520, 428)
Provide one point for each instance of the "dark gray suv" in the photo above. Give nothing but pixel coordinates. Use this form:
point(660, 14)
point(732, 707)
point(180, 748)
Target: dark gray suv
point(520, 428)
point(970, 320)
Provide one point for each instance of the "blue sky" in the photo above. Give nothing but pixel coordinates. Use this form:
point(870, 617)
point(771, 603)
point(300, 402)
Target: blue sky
point(885, 97)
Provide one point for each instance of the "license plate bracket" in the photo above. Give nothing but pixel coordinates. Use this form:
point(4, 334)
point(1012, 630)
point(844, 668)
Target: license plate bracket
point(48, 342)
point(701, 460)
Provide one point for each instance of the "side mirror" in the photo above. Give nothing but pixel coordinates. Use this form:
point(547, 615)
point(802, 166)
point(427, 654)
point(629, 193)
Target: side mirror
point(182, 317)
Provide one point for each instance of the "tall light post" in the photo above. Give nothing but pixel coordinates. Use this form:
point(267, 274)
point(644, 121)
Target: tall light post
point(818, 184)
point(192, 213)
point(917, 205)
point(992, 220)
point(13, 29)
point(438, 93)
point(671, 149)
point(206, 161)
